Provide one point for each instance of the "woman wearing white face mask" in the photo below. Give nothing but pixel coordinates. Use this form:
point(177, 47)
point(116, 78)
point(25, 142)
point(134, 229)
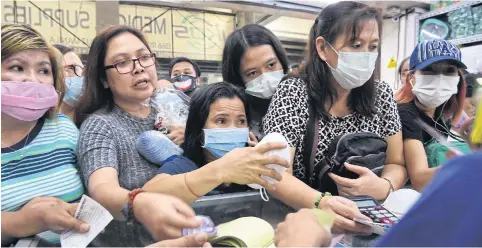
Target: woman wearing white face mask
point(434, 92)
point(338, 80)
point(254, 59)
point(74, 79)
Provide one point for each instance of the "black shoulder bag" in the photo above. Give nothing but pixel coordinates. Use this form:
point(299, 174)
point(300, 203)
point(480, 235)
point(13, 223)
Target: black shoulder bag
point(363, 149)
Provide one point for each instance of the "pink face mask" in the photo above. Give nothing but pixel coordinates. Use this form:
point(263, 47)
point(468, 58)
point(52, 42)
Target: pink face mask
point(27, 101)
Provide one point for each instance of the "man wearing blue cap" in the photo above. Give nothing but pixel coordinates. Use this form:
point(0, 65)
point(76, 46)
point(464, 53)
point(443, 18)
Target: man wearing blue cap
point(434, 93)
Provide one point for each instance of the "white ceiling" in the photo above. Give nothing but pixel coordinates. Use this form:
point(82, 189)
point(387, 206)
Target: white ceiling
point(290, 28)
point(320, 4)
point(379, 4)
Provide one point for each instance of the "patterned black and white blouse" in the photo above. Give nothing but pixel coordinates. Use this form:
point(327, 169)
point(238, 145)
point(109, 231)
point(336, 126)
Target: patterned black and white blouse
point(288, 114)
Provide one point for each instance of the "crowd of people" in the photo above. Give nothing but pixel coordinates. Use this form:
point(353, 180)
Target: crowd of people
point(70, 129)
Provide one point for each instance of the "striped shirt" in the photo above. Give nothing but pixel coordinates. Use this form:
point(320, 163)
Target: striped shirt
point(45, 166)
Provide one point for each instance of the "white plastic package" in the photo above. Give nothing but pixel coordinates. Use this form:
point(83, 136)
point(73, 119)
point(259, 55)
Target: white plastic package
point(173, 107)
point(282, 153)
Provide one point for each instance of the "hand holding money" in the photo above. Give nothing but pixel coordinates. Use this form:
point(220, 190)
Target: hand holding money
point(50, 214)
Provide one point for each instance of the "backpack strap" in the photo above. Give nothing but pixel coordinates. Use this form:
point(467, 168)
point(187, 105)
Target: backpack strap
point(311, 141)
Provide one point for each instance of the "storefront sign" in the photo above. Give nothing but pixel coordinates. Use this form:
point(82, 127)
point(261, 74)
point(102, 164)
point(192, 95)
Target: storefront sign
point(170, 32)
point(174, 33)
point(78, 17)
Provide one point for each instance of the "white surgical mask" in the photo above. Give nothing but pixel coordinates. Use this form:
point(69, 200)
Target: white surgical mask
point(354, 68)
point(433, 90)
point(282, 153)
point(265, 85)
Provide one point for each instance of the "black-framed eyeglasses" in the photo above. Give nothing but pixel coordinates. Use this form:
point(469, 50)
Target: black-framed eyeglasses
point(128, 65)
point(77, 69)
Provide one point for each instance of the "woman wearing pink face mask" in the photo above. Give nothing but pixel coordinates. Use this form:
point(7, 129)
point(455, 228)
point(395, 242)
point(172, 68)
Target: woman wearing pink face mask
point(39, 178)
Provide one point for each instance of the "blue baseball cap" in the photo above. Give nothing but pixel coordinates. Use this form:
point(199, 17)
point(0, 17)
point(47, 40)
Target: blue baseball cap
point(432, 51)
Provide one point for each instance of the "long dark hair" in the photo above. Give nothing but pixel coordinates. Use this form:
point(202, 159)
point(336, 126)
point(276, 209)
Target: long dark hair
point(198, 115)
point(95, 96)
point(335, 20)
point(239, 41)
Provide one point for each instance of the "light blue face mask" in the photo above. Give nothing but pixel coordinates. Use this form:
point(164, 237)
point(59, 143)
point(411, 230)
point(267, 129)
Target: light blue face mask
point(74, 91)
point(219, 141)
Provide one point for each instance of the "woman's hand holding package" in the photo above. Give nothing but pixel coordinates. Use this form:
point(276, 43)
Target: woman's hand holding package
point(163, 215)
point(247, 165)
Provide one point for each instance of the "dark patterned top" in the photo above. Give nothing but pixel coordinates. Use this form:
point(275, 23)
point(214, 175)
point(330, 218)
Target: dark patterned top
point(288, 114)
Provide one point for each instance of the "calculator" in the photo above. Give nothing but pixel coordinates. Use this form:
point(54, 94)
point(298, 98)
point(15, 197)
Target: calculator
point(374, 210)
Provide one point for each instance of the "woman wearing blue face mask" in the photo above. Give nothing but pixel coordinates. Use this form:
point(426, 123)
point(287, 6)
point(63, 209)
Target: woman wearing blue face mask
point(338, 83)
point(215, 155)
point(434, 92)
point(254, 59)
point(74, 78)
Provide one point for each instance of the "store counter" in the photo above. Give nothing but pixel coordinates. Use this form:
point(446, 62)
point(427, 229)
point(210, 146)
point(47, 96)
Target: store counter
point(227, 207)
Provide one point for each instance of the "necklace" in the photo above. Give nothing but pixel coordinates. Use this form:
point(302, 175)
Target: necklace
point(25, 143)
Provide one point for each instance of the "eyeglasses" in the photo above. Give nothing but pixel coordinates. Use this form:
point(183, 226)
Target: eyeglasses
point(128, 65)
point(77, 69)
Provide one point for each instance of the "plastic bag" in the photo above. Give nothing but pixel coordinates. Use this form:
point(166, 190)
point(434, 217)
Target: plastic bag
point(173, 108)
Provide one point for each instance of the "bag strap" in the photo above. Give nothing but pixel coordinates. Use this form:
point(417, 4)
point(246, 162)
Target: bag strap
point(311, 141)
